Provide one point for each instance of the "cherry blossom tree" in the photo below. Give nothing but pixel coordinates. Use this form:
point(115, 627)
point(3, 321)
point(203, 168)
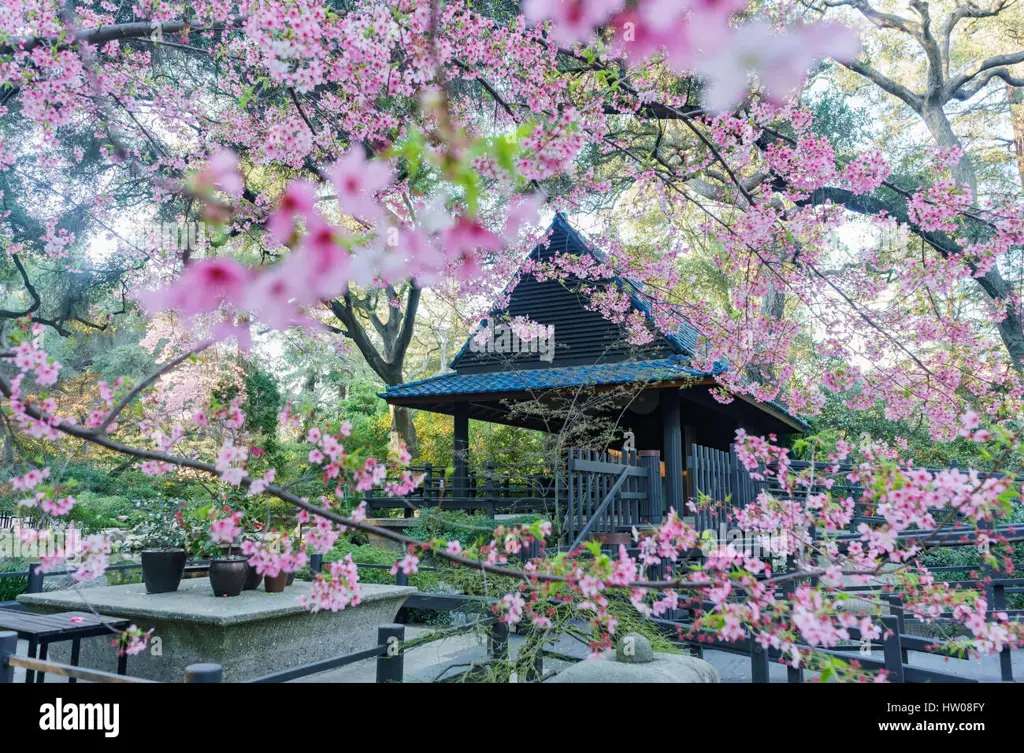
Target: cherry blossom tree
point(342, 159)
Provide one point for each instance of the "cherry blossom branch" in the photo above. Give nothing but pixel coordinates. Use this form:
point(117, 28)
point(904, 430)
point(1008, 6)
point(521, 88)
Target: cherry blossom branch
point(103, 440)
point(137, 389)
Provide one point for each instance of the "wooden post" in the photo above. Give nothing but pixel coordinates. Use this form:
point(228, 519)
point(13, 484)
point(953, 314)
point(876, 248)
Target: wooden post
point(759, 671)
point(490, 496)
point(401, 579)
point(673, 441)
point(8, 648)
point(427, 487)
point(499, 640)
point(987, 571)
point(570, 512)
point(892, 650)
point(896, 609)
point(35, 579)
point(316, 564)
point(460, 450)
point(651, 508)
point(391, 666)
point(204, 673)
point(689, 440)
point(1005, 658)
point(529, 551)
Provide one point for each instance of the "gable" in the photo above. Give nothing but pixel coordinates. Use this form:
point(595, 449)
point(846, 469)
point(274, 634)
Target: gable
point(580, 336)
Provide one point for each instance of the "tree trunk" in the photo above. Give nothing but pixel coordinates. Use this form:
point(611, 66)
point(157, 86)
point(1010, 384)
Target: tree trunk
point(8, 449)
point(403, 430)
point(938, 124)
point(1016, 96)
point(396, 334)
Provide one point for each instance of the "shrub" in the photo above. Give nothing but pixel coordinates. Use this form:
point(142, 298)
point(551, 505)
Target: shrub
point(455, 524)
point(11, 587)
point(372, 555)
point(96, 511)
point(968, 557)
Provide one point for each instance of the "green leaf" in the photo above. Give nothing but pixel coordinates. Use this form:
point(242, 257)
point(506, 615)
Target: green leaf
point(594, 547)
point(244, 99)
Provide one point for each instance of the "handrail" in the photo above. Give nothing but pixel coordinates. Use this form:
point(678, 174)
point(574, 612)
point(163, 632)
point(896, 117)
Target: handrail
point(321, 666)
point(66, 670)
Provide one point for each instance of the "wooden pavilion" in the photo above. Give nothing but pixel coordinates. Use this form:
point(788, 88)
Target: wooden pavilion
point(669, 410)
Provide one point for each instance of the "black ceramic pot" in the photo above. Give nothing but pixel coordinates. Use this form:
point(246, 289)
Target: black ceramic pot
point(252, 578)
point(162, 569)
point(276, 584)
point(291, 579)
point(227, 575)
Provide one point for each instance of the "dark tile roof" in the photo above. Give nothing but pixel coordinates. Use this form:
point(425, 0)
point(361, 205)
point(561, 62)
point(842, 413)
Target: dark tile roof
point(566, 239)
point(684, 339)
point(622, 372)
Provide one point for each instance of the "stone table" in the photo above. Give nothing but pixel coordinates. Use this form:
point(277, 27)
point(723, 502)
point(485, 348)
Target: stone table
point(251, 635)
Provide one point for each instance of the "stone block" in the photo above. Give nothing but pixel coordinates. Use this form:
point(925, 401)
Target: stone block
point(251, 635)
point(664, 668)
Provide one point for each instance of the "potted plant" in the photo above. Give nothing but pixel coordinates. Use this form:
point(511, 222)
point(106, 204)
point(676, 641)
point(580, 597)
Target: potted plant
point(253, 577)
point(274, 558)
point(228, 571)
point(163, 548)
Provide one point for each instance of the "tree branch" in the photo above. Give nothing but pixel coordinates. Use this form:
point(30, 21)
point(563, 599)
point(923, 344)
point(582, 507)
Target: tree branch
point(114, 32)
point(354, 330)
point(137, 389)
point(34, 306)
point(886, 84)
point(995, 67)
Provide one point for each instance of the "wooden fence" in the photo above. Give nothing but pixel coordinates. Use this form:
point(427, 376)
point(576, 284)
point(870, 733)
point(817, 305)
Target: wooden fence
point(608, 495)
point(721, 476)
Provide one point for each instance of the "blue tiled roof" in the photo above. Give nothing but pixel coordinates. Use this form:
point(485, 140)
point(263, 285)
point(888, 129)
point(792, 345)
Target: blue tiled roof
point(623, 372)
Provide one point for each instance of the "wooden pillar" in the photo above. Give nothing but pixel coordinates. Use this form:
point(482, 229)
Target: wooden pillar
point(460, 450)
point(689, 440)
point(651, 508)
point(673, 441)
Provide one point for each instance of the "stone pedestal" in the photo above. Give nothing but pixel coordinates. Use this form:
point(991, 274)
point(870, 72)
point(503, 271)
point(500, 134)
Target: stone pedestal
point(251, 635)
point(633, 661)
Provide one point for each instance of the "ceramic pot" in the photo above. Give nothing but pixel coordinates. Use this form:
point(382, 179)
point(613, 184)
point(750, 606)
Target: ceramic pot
point(227, 575)
point(276, 584)
point(252, 578)
point(162, 569)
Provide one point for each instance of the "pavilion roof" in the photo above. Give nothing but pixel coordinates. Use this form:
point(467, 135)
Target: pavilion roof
point(665, 362)
point(526, 380)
